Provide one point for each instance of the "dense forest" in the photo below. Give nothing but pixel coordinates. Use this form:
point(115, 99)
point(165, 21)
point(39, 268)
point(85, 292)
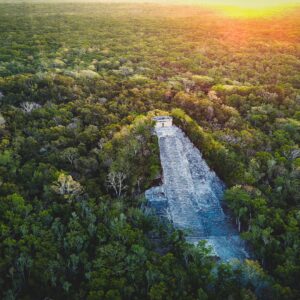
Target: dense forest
point(79, 84)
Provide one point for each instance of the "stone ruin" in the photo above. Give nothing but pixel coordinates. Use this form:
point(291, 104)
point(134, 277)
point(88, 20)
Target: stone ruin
point(190, 196)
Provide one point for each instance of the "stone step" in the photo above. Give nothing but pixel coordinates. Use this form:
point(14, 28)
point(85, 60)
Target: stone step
point(193, 193)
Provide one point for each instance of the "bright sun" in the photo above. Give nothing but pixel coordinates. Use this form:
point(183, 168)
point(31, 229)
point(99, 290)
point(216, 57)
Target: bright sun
point(235, 8)
point(242, 3)
point(249, 8)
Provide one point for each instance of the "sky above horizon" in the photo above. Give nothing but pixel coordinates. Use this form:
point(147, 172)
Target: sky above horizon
point(243, 3)
point(240, 3)
point(235, 8)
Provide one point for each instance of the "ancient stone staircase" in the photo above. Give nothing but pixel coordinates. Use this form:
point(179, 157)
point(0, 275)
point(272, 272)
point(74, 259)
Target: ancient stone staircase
point(191, 193)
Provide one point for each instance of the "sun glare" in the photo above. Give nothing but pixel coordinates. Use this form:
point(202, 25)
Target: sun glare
point(253, 9)
point(254, 4)
point(242, 8)
point(251, 12)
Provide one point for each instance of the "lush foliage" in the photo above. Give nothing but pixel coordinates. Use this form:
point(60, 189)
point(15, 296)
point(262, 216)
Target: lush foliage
point(78, 86)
